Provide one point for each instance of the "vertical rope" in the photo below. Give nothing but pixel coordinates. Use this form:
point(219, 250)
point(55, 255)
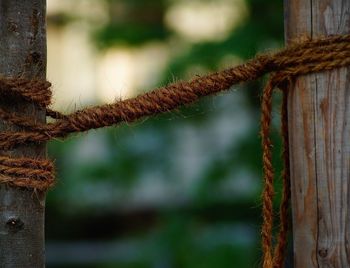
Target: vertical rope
point(268, 191)
point(274, 258)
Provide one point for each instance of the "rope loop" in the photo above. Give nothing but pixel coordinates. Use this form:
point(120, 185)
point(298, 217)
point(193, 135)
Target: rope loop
point(27, 172)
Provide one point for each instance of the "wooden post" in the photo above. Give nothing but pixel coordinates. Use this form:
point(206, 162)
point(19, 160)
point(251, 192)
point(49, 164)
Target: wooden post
point(319, 127)
point(22, 53)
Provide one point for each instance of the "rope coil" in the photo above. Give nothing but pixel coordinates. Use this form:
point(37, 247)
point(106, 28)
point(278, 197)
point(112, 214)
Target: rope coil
point(27, 172)
point(297, 59)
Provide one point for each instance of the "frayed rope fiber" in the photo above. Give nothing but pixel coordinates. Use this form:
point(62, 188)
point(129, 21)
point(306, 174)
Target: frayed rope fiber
point(297, 59)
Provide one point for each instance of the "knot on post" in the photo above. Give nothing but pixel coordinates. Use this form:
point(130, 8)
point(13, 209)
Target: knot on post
point(25, 172)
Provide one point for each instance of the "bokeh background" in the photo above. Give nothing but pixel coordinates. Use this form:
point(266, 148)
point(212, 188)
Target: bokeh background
point(174, 191)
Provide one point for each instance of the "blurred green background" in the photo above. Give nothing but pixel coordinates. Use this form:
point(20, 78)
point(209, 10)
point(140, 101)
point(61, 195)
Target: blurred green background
point(181, 189)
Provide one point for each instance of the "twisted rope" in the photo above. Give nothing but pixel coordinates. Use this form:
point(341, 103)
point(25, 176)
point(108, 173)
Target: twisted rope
point(27, 172)
point(297, 59)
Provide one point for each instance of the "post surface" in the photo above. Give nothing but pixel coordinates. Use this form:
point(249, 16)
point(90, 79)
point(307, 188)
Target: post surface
point(319, 127)
point(22, 53)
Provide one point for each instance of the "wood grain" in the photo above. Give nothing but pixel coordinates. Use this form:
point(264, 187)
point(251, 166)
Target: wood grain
point(319, 126)
point(22, 53)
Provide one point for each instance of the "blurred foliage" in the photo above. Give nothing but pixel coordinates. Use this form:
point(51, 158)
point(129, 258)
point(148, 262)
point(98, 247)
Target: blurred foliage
point(263, 27)
point(196, 229)
point(132, 22)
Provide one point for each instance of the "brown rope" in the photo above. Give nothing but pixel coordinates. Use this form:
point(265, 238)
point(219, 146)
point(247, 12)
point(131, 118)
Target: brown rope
point(27, 172)
point(36, 91)
point(297, 59)
point(268, 192)
point(276, 260)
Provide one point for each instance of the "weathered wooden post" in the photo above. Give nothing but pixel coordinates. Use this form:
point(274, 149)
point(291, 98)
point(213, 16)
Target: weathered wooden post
point(319, 127)
point(22, 53)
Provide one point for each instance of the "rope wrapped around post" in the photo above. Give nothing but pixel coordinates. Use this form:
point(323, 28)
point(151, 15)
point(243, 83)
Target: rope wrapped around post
point(301, 58)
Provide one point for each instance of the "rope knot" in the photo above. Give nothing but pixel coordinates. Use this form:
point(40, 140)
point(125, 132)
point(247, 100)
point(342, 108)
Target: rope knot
point(24, 172)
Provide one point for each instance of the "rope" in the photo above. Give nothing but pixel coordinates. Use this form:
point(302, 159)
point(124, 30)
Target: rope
point(27, 172)
point(297, 59)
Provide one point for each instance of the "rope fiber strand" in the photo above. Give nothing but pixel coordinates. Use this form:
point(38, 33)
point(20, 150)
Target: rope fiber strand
point(300, 58)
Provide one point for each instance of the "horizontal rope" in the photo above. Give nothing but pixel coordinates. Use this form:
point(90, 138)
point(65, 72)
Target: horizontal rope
point(300, 58)
point(37, 91)
point(27, 172)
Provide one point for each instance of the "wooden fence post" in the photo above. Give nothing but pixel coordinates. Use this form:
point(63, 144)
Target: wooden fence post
point(319, 127)
point(22, 53)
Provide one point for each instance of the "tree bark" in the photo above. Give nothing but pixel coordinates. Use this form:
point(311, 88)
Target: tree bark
point(22, 53)
point(319, 127)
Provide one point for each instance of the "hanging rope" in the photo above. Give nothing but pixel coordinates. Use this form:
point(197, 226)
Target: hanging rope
point(298, 59)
